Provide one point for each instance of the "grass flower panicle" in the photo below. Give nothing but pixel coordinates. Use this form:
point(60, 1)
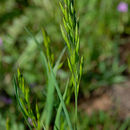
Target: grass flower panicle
point(70, 33)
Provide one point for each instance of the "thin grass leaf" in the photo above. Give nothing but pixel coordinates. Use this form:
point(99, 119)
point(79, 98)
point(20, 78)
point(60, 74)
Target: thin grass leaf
point(49, 102)
point(38, 117)
point(7, 124)
point(58, 61)
point(62, 101)
point(59, 94)
point(40, 49)
point(57, 120)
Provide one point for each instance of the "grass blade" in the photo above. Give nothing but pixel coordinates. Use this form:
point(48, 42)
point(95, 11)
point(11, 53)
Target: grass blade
point(58, 61)
point(57, 120)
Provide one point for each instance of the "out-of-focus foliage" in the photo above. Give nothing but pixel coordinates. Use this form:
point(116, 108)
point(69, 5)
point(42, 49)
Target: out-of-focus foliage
point(102, 30)
point(101, 26)
point(101, 120)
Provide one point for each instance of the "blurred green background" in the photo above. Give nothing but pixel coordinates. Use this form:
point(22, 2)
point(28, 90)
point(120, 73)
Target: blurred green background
point(105, 44)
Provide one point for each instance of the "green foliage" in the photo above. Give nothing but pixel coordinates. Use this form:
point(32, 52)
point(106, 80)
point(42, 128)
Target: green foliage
point(102, 120)
point(10, 123)
point(46, 115)
point(102, 30)
point(99, 35)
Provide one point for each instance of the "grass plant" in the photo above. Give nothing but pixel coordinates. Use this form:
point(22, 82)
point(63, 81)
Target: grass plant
point(70, 33)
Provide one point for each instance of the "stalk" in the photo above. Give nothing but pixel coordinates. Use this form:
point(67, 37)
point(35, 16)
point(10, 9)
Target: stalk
point(70, 33)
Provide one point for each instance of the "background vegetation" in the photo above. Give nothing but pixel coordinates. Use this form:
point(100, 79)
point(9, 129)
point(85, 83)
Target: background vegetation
point(104, 39)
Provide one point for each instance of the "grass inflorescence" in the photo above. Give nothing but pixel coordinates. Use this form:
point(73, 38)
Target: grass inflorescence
point(70, 33)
